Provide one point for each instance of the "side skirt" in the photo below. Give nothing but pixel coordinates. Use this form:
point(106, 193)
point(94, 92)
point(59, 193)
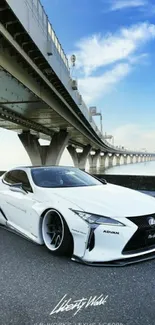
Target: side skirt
point(16, 232)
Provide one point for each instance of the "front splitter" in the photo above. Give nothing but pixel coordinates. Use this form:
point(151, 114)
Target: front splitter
point(121, 262)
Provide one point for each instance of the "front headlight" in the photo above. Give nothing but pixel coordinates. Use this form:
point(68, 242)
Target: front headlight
point(100, 220)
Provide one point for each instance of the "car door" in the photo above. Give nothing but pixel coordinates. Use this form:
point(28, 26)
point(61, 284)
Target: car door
point(18, 204)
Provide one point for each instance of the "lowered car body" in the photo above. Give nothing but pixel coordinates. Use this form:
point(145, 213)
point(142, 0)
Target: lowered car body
point(73, 213)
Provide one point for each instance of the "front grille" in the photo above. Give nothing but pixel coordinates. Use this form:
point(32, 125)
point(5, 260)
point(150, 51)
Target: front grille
point(141, 240)
point(142, 221)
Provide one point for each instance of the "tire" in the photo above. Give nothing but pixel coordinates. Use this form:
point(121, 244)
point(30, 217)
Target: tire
point(56, 235)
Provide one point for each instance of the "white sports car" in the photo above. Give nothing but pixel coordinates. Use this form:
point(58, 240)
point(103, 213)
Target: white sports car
point(73, 213)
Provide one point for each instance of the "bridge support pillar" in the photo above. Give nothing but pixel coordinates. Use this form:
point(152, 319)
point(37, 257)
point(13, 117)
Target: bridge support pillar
point(79, 158)
point(137, 159)
point(110, 163)
point(131, 159)
point(102, 161)
point(44, 155)
point(93, 160)
point(125, 159)
point(118, 160)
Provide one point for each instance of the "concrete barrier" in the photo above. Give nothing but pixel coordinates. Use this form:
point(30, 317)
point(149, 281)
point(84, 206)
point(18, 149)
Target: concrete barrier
point(145, 184)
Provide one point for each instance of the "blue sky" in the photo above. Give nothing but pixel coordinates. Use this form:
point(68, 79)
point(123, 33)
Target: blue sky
point(114, 42)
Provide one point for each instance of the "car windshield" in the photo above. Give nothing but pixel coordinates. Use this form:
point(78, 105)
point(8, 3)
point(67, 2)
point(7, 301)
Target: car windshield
point(52, 177)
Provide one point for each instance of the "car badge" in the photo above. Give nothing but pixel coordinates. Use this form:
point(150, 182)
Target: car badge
point(151, 221)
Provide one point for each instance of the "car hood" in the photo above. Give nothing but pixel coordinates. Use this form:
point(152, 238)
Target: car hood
point(108, 200)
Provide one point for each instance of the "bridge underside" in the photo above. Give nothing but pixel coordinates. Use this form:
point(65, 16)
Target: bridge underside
point(20, 109)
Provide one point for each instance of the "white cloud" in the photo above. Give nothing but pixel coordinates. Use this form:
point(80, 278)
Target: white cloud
point(123, 4)
point(123, 50)
point(97, 51)
point(134, 136)
point(138, 59)
point(94, 87)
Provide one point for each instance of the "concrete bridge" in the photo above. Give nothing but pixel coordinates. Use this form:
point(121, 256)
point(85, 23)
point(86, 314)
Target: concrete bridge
point(38, 97)
point(105, 161)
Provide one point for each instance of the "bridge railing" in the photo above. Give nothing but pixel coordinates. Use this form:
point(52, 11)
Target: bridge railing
point(44, 23)
point(58, 45)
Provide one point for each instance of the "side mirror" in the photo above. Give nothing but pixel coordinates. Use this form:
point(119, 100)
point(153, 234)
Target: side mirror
point(102, 180)
point(18, 187)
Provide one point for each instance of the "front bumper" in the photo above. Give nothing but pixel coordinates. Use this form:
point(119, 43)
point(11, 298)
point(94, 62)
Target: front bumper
point(118, 245)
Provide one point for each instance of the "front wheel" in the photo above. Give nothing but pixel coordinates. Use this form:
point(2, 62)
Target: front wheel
point(56, 234)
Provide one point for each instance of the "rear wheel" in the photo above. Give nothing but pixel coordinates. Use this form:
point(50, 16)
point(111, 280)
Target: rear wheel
point(56, 234)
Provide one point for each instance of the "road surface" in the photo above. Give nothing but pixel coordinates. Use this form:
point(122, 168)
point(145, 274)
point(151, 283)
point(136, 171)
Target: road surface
point(32, 283)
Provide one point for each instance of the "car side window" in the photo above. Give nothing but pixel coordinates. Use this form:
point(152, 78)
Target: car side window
point(18, 176)
point(23, 178)
point(7, 178)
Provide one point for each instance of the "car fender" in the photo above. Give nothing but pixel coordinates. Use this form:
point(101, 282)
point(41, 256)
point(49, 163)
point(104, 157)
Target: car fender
point(78, 227)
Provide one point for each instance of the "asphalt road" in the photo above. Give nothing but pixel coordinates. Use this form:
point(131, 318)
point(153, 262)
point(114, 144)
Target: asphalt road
point(32, 282)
